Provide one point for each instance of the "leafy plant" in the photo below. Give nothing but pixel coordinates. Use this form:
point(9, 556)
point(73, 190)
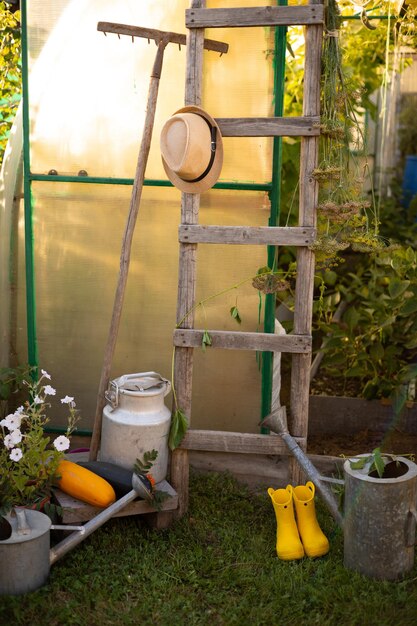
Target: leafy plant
point(376, 340)
point(28, 458)
point(374, 463)
point(142, 468)
point(12, 380)
point(10, 71)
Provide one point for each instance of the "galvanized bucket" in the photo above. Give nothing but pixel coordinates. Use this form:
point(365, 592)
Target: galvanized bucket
point(380, 521)
point(24, 556)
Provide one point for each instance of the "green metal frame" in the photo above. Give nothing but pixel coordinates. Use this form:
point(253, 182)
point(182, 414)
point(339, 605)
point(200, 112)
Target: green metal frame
point(28, 212)
point(272, 188)
point(275, 197)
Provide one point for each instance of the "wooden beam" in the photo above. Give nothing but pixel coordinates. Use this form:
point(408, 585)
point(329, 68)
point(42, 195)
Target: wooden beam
point(269, 126)
point(256, 16)
point(263, 235)
point(246, 443)
point(264, 342)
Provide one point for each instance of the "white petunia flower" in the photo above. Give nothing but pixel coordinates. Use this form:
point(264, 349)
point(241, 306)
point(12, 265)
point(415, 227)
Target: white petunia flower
point(49, 391)
point(8, 442)
point(16, 436)
point(68, 400)
point(10, 420)
point(19, 410)
point(45, 374)
point(37, 400)
point(62, 443)
point(16, 454)
point(14, 421)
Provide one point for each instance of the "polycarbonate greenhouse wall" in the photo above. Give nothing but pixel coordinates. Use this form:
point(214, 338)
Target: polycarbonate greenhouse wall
point(86, 104)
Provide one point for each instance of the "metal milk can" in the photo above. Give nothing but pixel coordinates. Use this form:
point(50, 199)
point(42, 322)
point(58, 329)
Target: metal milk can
point(136, 421)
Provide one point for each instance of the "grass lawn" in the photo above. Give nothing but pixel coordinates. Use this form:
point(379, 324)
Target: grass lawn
point(217, 565)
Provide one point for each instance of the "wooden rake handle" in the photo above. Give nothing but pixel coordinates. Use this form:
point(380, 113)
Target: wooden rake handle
point(158, 35)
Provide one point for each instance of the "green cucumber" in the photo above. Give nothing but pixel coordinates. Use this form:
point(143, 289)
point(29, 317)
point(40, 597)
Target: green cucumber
point(118, 477)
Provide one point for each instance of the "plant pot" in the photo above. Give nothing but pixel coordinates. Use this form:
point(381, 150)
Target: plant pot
point(380, 520)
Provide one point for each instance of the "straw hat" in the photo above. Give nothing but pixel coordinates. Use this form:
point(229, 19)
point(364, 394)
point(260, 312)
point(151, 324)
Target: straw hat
point(192, 149)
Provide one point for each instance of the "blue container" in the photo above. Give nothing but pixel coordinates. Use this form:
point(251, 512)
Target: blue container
point(409, 180)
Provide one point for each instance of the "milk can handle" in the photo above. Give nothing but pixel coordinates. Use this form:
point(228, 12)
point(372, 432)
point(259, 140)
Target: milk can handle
point(112, 393)
point(410, 528)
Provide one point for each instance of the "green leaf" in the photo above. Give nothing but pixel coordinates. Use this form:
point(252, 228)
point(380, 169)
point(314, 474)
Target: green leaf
point(206, 341)
point(235, 314)
point(370, 390)
point(178, 429)
point(409, 307)
point(338, 358)
point(376, 351)
point(409, 373)
point(378, 461)
point(359, 464)
point(397, 287)
point(144, 466)
point(351, 317)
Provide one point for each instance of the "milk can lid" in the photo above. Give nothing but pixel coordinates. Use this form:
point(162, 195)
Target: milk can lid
point(140, 384)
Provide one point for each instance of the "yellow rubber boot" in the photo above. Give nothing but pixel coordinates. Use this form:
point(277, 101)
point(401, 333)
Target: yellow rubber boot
point(289, 544)
point(314, 540)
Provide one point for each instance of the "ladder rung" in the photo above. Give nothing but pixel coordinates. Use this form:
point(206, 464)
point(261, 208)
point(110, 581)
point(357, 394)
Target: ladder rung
point(254, 16)
point(269, 126)
point(247, 443)
point(267, 235)
point(264, 342)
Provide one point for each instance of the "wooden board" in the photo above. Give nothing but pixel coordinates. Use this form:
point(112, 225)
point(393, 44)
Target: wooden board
point(269, 126)
point(75, 511)
point(244, 341)
point(223, 441)
point(256, 16)
point(245, 235)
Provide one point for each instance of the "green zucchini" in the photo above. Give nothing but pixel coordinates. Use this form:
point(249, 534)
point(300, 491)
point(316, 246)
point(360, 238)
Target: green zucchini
point(118, 477)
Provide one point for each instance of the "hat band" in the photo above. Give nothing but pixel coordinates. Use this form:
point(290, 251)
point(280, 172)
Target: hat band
point(213, 131)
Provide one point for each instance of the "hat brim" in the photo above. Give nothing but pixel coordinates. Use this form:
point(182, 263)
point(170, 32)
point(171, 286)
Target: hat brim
point(213, 174)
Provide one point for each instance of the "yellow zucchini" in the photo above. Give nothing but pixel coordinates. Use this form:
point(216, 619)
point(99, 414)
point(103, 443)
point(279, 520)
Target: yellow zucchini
point(84, 485)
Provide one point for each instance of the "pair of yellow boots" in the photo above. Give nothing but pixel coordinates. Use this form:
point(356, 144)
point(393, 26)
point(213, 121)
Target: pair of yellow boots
point(301, 536)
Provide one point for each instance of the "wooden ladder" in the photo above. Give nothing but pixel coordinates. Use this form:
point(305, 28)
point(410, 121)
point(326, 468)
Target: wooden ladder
point(299, 342)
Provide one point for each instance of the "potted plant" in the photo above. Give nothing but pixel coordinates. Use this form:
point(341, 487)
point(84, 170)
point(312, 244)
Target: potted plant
point(28, 458)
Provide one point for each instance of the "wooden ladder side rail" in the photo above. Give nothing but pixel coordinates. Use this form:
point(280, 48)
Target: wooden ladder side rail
point(190, 205)
point(308, 194)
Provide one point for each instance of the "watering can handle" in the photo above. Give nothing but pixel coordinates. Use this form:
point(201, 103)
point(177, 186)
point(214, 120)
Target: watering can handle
point(22, 523)
point(410, 528)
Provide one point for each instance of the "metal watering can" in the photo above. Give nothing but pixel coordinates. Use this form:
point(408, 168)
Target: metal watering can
point(26, 556)
point(380, 514)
